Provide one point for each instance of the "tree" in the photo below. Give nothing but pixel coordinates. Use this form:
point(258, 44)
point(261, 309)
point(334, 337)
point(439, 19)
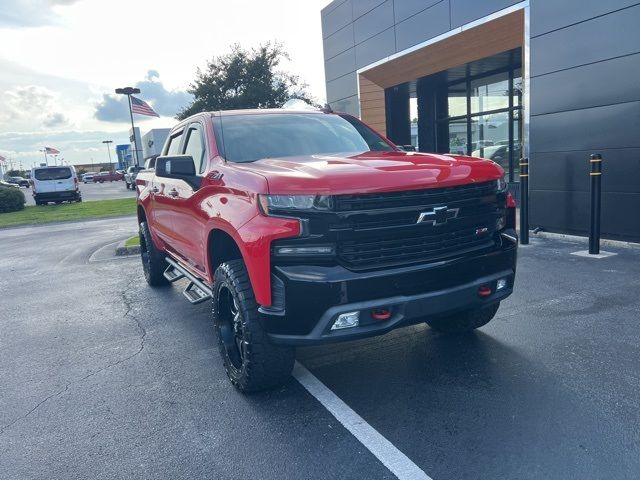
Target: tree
point(245, 79)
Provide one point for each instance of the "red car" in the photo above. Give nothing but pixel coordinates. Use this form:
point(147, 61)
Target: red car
point(107, 177)
point(306, 227)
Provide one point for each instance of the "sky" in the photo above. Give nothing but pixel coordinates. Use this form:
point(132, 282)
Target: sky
point(60, 61)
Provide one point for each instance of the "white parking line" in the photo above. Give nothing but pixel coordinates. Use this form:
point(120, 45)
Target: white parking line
point(392, 458)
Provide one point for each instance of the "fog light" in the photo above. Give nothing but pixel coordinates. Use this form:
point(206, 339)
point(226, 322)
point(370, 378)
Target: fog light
point(501, 284)
point(346, 320)
point(310, 250)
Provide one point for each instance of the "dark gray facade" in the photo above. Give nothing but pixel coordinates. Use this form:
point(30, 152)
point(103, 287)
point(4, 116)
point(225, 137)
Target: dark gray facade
point(584, 95)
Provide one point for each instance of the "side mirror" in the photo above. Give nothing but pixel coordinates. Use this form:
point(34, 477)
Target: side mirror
point(181, 167)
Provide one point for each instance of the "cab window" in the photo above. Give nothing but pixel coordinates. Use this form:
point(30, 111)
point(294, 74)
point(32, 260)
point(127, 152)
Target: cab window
point(174, 144)
point(195, 147)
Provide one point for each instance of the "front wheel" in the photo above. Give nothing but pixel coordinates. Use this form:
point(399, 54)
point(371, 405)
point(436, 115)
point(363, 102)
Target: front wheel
point(153, 263)
point(251, 361)
point(464, 321)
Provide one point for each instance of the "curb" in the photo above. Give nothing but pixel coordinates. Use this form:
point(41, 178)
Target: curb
point(575, 238)
point(122, 250)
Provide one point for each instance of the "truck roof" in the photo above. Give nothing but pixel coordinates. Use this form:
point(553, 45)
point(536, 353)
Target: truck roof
point(263, 111)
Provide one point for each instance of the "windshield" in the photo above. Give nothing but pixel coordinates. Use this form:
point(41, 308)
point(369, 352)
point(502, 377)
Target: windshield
point(246, 138)
point(59, 173)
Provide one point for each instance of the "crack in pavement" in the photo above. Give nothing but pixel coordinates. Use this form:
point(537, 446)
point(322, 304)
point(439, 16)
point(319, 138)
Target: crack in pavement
point(143, 335)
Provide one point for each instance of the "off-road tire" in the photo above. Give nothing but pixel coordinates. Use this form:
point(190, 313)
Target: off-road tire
point(261, 365)
point(464, 321)
point(153, 260)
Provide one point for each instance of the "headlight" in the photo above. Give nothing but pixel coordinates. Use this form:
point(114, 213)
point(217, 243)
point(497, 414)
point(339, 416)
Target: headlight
point(501, 185)
point(276, 203)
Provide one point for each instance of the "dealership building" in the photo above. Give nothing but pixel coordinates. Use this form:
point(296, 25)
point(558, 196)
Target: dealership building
point(549, 80)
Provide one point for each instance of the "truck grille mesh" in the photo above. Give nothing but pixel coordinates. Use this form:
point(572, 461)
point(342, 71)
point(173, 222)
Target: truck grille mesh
point(381, 229)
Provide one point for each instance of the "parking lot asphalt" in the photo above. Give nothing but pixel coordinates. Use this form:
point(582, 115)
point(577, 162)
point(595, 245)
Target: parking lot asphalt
point(103, 377)
point(93, 191)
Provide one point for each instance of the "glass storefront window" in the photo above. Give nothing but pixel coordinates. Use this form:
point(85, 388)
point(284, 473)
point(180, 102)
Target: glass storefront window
point(458, 136)
point(517, 87)
point(490, 138)
point(458, 100)
point(490, 93)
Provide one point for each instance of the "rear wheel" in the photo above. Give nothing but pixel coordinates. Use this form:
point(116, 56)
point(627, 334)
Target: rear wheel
point(251, 361)
point(153, 263)
point(464, 321)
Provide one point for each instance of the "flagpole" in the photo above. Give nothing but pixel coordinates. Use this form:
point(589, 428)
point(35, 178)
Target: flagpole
point(133, 129)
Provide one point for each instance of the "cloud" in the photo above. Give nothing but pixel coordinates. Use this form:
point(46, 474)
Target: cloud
point(56, 119)
point(33, 104)
point(30, 13)
point(114, 108)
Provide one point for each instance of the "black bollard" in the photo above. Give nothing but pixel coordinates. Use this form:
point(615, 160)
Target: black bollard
point(596, 195)
point(524, 201)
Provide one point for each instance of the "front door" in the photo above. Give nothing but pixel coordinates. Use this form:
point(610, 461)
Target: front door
point(189, 221)
point(162, 202)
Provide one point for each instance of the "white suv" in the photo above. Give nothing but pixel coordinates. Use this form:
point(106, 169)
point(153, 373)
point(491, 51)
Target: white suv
point(55, 184)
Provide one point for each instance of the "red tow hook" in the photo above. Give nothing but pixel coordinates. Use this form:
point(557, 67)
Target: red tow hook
point(381, 314)
point(484, 291)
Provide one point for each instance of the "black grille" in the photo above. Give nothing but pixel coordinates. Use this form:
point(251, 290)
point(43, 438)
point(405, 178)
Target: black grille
point(346, 203)
point(381, 229)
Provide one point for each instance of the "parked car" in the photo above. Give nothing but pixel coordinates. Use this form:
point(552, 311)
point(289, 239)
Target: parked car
point(308, 227)
point(88, 177)
point(20, 181)
point(4, 183)
point(55, 184)
point(130, 176)
point(499, 153)
point(150, 163)
point(107, 177)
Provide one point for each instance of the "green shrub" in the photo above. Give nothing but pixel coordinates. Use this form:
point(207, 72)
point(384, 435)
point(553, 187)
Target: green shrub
point(11, 199)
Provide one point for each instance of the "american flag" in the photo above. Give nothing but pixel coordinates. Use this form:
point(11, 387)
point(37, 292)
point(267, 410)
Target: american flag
point(51, 151)
point(141, 107)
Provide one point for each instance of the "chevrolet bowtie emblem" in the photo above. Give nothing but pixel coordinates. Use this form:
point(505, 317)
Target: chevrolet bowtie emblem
point(438, 216)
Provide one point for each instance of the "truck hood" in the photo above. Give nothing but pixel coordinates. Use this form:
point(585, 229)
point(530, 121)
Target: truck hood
point(370, 172)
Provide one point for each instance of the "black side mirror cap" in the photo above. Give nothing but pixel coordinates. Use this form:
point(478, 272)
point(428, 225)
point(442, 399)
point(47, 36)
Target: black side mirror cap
point(181, 167)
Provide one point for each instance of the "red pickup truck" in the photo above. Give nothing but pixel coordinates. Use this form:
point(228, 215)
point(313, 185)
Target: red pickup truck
point(308, 227)
point(107, 177)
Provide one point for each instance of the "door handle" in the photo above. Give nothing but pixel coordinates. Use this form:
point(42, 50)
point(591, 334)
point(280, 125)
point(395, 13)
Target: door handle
point(173, 192)
point(215, 175)
point(154, 189)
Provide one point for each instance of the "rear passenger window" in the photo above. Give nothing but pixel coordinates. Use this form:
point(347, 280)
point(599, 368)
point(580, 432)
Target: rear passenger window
point(195, 147)
point(174, 144)
point(60, 173)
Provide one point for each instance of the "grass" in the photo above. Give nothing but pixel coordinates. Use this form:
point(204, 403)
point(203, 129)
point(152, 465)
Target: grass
point(69, 211)
point(132, 242)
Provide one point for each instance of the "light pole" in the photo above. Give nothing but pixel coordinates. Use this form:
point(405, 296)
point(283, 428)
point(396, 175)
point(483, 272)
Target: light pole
point(107, 142)
point(128, 91)
point(46, 159)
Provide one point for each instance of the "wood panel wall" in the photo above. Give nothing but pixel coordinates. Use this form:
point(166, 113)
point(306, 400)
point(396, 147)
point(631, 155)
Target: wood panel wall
point(372, 110)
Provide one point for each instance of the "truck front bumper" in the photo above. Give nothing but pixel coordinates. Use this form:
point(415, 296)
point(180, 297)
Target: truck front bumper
point(309, 299)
